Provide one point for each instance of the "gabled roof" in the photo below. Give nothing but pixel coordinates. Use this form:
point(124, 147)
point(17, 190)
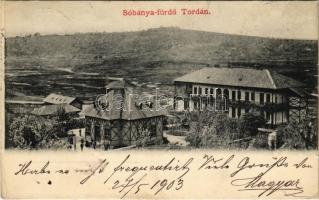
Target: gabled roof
point(58, 99)
point(116, 84)
point(240, 77)
point(54, 109)
point(133, 109)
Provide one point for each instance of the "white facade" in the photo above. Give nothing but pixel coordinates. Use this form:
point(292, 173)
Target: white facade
point(276, 98)
point(257, 97)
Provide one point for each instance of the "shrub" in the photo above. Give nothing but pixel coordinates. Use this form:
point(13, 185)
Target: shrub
point(289, 136)
point(32, 132)
point(260, 141)
point(249, 124)
point(211, 129)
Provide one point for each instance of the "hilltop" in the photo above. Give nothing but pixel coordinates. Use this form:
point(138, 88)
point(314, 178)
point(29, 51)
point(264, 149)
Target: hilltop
point(154, 55)
point(164, 43)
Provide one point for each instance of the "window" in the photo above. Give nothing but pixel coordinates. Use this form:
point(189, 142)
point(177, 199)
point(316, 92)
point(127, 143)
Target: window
point(211, 90)
point(186, 105)
point(205, 102)
point(267, 98)
point(107, 133)
point(97, 133)
point(264, 114)
point(239, 112)
point(211, 100)
point(188, 88)
point(200, 90)
point(246, 96)
point(233, 112)
point(238, 95)
point(206, 90)
point(153, 131)
point(233, 95)
point(195, 90)
point(87, 127)
point(276, 100)
point(267, 116)
point(196, 105)
point(261, 98)
point(226, 94)
point(252, 97)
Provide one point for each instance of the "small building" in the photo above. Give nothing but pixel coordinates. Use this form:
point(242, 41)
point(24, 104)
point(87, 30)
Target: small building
point(61, 99)
point(121, 118)
point(54, 110)
point(236, 91)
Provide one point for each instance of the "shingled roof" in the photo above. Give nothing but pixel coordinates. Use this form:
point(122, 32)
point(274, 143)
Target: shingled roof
point(58, 99)
point(54, 109)
point(134, 109)
point(240, 77)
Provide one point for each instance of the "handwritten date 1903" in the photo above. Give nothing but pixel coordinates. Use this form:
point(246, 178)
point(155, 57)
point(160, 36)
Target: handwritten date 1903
point(129, 184)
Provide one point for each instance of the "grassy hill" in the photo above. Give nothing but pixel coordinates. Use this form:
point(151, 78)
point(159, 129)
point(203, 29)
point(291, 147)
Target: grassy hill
point(82, 61)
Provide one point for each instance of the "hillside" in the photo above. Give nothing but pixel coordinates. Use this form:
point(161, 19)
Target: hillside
point(150, 56)
point(164, 44)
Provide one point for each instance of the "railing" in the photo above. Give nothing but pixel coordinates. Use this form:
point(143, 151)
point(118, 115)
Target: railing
point(265, 106)
point(203, 95)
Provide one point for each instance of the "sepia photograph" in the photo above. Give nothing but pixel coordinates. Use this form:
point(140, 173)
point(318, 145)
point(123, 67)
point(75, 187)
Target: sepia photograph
point(164, 85)
point(159, 100)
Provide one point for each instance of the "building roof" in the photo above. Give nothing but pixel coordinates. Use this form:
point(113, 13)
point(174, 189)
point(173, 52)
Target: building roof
point(116, 84)
point(240, 77)
point(58, 99)
point(300, 92)
point(133, 108)
point(54, 109)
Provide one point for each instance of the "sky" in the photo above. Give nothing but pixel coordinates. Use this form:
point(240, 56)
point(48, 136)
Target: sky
point(293, 20)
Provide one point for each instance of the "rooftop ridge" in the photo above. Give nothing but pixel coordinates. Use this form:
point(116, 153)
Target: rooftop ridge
point(239, 77)
point(270, 78)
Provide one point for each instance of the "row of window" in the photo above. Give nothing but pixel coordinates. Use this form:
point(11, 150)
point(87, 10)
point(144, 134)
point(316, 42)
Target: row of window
point(220, 105)
point(200, 91)
point(249, 96)
point(223, 107)
point(233, 113)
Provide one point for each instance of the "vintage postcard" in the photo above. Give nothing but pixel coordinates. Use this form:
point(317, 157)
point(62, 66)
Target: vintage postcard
point(159, 100)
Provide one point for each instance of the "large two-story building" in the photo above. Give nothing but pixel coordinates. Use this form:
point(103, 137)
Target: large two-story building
point(236, 91)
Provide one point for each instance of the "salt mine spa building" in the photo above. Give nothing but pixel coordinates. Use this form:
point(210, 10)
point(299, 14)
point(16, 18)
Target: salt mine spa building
point(236, 91)
point(120, 118)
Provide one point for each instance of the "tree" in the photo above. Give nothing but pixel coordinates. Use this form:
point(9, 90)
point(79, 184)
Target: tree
point(211, 129)
point(250, 122)
point(32, 132)
point(289, 136)
point(220, 131)
point(198, 120)
point(298, 135)
point(62, 122)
